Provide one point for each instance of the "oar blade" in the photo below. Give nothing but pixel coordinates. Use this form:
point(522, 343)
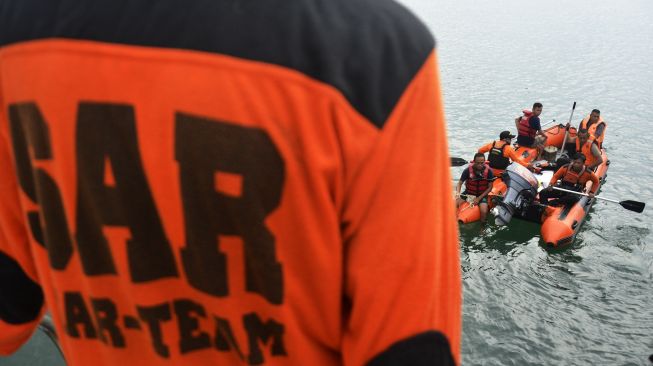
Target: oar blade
point(633, 205)
point(458, 161)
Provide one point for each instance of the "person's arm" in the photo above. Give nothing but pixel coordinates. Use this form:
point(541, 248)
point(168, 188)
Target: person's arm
point(463, 177)
point(536, 125)
point(21, 297)
point(597, 156)
point(510, 153)
point(402, 279)
point(599, 130)
point(485, 148)
point(595, 183)
point(478, 199)
point(557, 176)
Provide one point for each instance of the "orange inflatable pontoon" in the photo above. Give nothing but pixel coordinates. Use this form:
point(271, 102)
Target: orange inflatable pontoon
point(561, 224)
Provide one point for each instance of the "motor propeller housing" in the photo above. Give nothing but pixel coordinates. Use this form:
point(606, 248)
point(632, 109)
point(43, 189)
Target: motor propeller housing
point(521, 191)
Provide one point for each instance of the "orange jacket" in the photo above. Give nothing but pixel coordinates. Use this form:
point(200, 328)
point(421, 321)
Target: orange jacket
point(581, 180)
point(508, 152)
point(184, 197)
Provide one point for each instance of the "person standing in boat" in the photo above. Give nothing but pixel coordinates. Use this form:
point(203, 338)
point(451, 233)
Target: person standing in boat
point(573, 176)
point(501, 154)
point(584, 143)
point(528, 126)
point(478, 183)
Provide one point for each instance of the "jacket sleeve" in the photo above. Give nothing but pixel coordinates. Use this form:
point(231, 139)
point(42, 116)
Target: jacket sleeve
point(512, 154)
point(595, 182)
point(596, 151)
point(402, 270)
point(21, 298)
point(485, 148)
point(558, 175)
point(599, 130)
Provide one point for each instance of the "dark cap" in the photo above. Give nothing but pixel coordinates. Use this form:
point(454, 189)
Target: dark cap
point(505, 135)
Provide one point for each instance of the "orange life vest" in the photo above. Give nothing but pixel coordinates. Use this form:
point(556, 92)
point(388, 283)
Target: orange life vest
point(525, 128)
point(477, 183)
point(586, 149)
point(574, 178)
point(592, 128)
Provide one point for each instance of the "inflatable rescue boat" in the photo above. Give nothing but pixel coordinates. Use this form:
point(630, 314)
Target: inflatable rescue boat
point(559, 224)
point(467, 212)
point(515, 193)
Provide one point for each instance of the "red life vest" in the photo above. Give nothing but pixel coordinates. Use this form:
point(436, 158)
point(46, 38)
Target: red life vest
point(496, 157)
point(525, 128)
point(586, 149)
point(477, 184)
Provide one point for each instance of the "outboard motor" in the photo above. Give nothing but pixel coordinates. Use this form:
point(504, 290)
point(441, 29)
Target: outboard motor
point(521, 191)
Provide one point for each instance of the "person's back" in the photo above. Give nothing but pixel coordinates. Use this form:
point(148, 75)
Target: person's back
point(219, 182)
point(500, 153)
point(497, 155)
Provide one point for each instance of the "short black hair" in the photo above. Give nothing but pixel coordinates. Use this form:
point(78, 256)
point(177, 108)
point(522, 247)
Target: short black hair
point(479, 155)
point(596, 111)
point(583, 131)
point(537, 105)
point(580, 156)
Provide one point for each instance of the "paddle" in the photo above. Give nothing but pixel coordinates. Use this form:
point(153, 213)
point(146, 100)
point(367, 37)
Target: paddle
point(564, 140)
point(628, 205)
point(458, 161)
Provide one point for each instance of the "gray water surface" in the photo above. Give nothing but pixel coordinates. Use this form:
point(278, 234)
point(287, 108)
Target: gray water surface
point(591, 303)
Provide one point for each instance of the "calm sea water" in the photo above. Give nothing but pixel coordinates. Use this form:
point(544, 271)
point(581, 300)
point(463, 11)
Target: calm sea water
point(591, 303)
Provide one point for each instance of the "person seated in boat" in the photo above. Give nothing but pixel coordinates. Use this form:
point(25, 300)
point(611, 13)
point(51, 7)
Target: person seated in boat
point(542, 159)
point(539, 145)
point(574, 176)
point(595, 125)
point(501, 154)
point(588, 146)
point(528, 126)
point(478, 179)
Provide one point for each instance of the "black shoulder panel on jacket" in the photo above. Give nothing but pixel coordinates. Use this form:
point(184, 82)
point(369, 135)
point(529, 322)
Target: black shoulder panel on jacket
point(428, 348)
point(20, 297)
point(368, 49)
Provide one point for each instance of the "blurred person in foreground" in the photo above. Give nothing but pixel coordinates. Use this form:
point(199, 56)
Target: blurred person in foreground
point(226, 182)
